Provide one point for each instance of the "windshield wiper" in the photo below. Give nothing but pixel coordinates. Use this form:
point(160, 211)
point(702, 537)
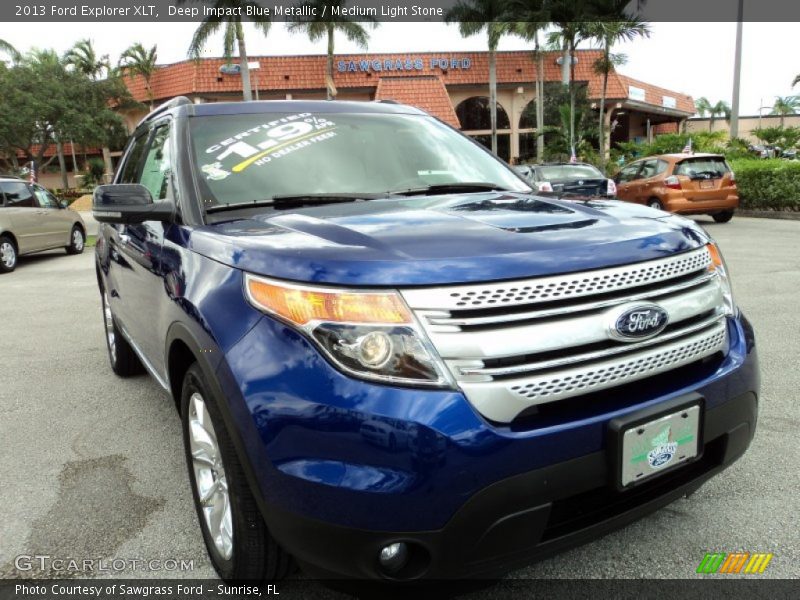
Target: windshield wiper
point(281, 201)
point(446, 188)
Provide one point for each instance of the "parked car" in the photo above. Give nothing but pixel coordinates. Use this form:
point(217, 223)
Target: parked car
point(687, 184)
point(33, 220)
point(571, 179)
point(558, 369)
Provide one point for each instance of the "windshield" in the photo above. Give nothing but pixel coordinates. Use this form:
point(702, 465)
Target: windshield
point(252, 157)
point(569, 172)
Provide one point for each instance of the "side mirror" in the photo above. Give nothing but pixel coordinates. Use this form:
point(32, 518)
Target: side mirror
point(63, 204)
point(128, 203)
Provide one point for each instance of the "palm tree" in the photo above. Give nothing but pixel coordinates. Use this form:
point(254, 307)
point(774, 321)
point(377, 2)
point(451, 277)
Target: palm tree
point(7, 48)
point(702, 106)
point(474, 17)
point(233, 33)
point(321, 22)
point(529, 31)
point(722, 109)
point(787, 105)
point(608, 33)
point(84, 59)
point(140, 61)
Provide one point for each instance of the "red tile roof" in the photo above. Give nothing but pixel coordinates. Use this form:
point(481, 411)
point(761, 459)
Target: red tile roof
point(294, 73)
point(51, 151)
point(426, 92)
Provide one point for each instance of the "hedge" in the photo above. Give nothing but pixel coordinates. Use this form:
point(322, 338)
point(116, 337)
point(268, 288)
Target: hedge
point(772, 184)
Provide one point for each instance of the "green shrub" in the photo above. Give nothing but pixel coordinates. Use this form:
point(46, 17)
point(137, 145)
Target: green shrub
point(772, 184)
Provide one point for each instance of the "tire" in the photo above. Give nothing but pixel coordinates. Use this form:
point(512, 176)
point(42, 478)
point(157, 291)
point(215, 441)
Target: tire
point(723, 217)
point(8, 254)
point(77, 240)
point(123, 359)
point(655, 203)
point(238, 541)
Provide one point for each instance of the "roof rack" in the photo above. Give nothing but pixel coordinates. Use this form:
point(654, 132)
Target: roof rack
point(161, 108)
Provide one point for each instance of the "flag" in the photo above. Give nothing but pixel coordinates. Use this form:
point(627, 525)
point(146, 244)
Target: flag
point(687, 149)
point(32, 176)
point(573, 158)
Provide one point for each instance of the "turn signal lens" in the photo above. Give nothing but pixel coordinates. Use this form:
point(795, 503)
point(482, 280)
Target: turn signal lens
point(302, 306)
point(716, 257)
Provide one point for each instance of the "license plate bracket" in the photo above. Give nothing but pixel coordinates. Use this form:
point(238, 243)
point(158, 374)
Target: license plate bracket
point(650, 442)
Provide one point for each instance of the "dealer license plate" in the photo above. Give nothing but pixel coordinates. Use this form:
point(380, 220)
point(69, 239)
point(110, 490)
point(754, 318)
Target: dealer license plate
point(653, 447)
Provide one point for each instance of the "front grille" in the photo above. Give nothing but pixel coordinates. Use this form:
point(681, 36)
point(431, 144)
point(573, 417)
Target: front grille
point(513, 345)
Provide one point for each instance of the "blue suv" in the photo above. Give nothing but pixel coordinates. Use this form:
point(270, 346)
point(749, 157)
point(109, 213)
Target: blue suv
point(392, 359)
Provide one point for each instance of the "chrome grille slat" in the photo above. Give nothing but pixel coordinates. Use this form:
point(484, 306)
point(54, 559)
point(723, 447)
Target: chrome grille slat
point(600, 354)
point(508, 360)
point(456, 321)
point(546, 289)
point(504, 400)
point(580, 330)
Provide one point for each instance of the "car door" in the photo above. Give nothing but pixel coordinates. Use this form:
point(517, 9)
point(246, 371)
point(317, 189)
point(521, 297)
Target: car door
point(648, 179)
point(140, 246)
point(626, 181)
point(54, 223)
point(24, 215)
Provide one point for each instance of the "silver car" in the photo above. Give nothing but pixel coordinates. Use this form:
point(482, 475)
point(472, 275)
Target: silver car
point(33, 220)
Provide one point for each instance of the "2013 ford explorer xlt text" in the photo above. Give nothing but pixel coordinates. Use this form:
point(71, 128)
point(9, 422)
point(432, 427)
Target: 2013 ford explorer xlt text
point(392, 359)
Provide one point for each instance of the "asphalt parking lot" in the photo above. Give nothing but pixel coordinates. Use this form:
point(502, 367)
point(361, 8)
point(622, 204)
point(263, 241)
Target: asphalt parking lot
point(93, 465)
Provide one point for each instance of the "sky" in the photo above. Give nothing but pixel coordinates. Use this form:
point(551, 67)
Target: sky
point(692, 58)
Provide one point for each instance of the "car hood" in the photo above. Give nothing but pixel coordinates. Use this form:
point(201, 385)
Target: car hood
point(443, 239)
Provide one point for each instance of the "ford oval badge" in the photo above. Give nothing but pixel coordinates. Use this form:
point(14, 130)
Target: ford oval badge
point(638, 322)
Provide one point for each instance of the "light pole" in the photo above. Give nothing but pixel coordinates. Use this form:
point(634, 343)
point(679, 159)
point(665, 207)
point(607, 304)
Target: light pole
point(737, 73)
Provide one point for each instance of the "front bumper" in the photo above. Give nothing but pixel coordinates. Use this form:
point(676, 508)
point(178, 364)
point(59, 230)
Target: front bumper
point(524, 518)
point(344, 467)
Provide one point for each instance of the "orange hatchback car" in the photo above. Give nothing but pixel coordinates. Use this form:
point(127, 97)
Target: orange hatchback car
point(688, 184)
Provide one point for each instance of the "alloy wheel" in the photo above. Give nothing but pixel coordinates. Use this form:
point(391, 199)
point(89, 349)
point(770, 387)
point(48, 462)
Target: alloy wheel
point(111, 335)
point(77, 240)
point(8, 255)
point(210, 478)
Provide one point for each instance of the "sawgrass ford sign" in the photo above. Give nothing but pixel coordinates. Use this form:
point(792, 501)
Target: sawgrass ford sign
point(404, 64)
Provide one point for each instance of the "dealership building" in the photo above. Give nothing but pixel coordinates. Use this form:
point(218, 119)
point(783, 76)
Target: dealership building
point(452, 86)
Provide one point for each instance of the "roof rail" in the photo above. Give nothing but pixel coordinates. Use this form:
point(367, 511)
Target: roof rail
point(388, 101)
point(161, 108)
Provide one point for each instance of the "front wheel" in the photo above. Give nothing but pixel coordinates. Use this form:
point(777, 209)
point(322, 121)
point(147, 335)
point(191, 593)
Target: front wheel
point(8, 255)
point(238, 541)
point(77, 241)
point(723, 217)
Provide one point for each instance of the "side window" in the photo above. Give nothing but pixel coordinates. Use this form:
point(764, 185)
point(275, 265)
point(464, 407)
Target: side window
point(157, 164)
point(629, 173)
point(18, 194)
point(661, 167)
point(130, 169)
point(649, 169)
point(44, 198)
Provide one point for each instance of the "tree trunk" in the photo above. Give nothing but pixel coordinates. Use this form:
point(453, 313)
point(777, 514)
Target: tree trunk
point(571, 98)
point(247, 92)
point(74, 159)
point(493, 97)
point(62, 164)
point(109, 174)
point(604, 150)
point(329, 65)
point(539, 102)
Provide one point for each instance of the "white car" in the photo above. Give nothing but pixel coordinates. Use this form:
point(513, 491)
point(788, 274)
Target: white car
point(33, 220)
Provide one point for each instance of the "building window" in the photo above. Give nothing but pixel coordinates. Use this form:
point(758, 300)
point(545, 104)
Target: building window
point(503, 143)
point(473, 114)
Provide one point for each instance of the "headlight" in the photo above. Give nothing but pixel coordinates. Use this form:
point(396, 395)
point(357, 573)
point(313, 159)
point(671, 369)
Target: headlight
point(718, 266)
point(369, 334)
